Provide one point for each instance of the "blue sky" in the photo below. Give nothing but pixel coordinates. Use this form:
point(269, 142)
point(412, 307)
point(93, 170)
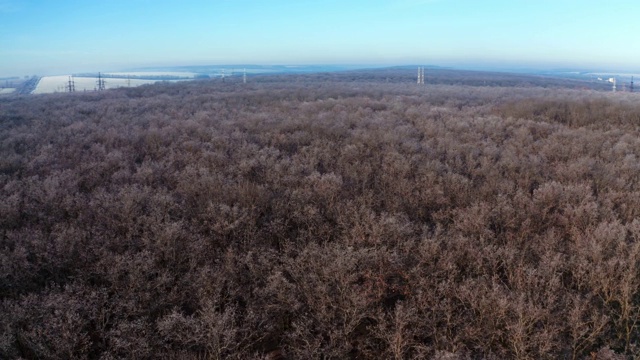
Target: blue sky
point(61, 36)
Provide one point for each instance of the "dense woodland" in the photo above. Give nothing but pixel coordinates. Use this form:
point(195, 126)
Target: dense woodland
point(321, 217)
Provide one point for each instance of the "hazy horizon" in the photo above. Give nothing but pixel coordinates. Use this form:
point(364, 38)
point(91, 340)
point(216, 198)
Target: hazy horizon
point(68, 36)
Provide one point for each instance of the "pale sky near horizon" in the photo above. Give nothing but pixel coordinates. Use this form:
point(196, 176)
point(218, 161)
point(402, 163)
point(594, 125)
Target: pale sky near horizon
point(48, 37)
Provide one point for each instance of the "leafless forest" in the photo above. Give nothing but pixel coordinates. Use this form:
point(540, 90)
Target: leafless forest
point(322, 217)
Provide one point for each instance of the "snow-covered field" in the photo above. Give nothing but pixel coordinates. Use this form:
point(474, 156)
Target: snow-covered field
point(7, 90)
point(60, 83)
point(153, 73)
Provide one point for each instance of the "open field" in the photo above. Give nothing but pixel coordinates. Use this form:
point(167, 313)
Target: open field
point(7, 90)
point(349, 215)
point(52, 84)
point(181, 74)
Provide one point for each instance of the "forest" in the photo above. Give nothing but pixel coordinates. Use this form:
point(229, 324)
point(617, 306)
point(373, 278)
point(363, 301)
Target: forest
point(327, 216)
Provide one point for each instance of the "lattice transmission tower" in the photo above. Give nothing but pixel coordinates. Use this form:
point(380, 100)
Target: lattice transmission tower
point(420, 76)
point(101, 83)
point(614, 82)
point(71, 85)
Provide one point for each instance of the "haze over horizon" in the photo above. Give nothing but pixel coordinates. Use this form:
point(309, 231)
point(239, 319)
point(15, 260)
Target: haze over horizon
point(43, 37)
